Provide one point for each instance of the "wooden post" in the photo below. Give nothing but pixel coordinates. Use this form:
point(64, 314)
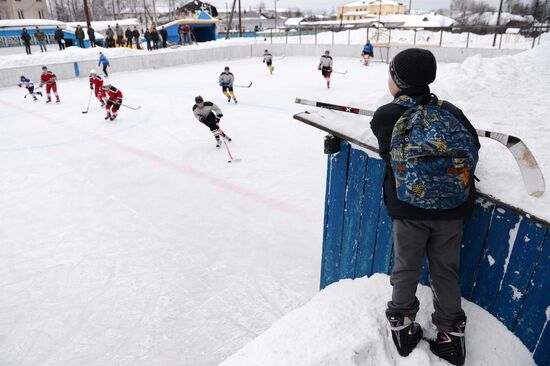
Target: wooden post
point(468, 40)
point(87, 14)
point(441, 38)
point(229, 24)
point(500, 42)
point(349, 31)
point(414, 36)
point(240, 22)
point(389, 36)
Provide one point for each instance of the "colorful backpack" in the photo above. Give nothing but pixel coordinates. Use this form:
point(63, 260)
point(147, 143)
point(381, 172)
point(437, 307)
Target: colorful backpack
point(433, 156)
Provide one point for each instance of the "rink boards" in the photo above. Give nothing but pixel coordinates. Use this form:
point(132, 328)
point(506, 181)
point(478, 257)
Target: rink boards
point(505, 260)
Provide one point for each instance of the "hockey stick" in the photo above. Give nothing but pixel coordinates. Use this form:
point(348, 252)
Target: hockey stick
point(531, 173)
point(243, 86)
point(89, 100)
point(280, 58)
point(231, 158)
point(340, 72)
point(130, 107)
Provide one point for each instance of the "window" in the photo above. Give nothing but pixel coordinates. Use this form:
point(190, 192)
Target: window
point(40, 14)
point(20, 14)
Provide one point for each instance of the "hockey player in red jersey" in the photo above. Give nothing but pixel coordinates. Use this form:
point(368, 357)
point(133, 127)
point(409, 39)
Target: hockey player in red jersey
point(49, 79)
point(96, 84)
point(114, 101)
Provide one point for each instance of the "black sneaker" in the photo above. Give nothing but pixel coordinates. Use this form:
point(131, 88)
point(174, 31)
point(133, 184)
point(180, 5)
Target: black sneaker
point(451, 346)
point(405, 333)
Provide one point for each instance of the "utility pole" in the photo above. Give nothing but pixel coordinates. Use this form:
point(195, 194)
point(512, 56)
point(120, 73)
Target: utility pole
point(87, 14)
point(275, 15)
point(410, 6)
point(240, 23)
point(228, 35)
point(155, 13)
point(114, 13)
point(379, 11)
point(498, 22)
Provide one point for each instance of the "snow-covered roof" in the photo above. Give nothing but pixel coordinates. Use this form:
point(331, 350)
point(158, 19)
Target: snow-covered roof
point(490, 18)
point(371, 2)
point(293, 22)
point(403, 20)
point(353, 13)
point(428, 20)
point(29, 23)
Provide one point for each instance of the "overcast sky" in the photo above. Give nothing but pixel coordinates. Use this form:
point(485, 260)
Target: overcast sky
point(331, 4)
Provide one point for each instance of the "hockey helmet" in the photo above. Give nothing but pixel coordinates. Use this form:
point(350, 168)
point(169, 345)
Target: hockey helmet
point(199, 99)
point(226, 68)
point(44, 68)
point(92, 72)
point(22, 78)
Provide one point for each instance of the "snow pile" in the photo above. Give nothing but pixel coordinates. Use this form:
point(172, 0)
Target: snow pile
point(490, 18)
point(505, 94)
point(345, 325)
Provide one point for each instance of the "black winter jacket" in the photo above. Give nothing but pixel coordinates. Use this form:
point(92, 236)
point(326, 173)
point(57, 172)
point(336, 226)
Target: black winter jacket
point(382, 124)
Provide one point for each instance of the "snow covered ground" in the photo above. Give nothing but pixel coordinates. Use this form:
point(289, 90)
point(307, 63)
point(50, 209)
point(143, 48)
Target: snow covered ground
point(134, 242)
point(345, 325)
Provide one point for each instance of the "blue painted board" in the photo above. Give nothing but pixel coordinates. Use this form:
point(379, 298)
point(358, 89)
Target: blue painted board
point(383, 247)
point(473, 244)
point(372, 201)
point(522, 263)
point(491, 267)
point(352, 213)
point(335, 216)
point(532, 317)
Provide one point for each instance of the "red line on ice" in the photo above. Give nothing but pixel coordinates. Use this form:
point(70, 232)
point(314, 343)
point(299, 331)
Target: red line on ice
point(220, 183)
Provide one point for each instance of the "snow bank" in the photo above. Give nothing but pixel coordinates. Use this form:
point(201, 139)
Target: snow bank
point(505, 94)
point(345, 325)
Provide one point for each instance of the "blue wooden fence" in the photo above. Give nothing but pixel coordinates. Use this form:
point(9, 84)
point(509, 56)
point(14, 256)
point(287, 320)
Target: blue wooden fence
point(505, 260)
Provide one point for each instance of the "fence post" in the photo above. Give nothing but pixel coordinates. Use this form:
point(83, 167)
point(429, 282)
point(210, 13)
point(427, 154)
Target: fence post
point(286, 36)
point(414, 37)
point(441, 38)
point(389, 36)
point(500, 41)
point(468, 40)
point(368, 28)
point(300, 35)
point(332, 29)
point(315, 30)
point(349, 31)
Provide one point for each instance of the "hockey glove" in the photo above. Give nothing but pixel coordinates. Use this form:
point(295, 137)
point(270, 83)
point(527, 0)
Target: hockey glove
point(319, 67)
point(330, 69)
point(19, 85)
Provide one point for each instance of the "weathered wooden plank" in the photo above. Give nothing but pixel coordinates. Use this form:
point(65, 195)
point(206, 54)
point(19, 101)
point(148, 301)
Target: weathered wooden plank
point(532, 326)
point(502, 234)
point(357, 165)
point(336, 192)
point(473, 244)
point(383, 249)
point(521, 265)
point(372, 201)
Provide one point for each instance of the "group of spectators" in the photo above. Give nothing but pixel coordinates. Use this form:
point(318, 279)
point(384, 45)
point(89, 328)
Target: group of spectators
point(116, 37)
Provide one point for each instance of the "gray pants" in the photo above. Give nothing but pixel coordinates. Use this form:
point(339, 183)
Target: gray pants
point(440, 241)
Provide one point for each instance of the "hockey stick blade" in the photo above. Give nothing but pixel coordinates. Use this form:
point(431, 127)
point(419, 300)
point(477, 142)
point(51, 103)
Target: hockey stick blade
point(243, 86)
point(528, 166)
point(341, 72)
point(132, 108)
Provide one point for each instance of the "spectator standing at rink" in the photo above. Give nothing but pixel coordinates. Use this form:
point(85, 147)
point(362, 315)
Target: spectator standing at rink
point(79, 34)
point(164, 35)
point(41, 39)
point(26, 37)
point(91, 36)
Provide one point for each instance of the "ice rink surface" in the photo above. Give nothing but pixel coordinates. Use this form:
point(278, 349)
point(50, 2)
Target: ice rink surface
point(134, 242)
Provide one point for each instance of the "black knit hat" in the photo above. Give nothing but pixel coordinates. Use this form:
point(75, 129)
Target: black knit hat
point(198, 99)
point(413, 67)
